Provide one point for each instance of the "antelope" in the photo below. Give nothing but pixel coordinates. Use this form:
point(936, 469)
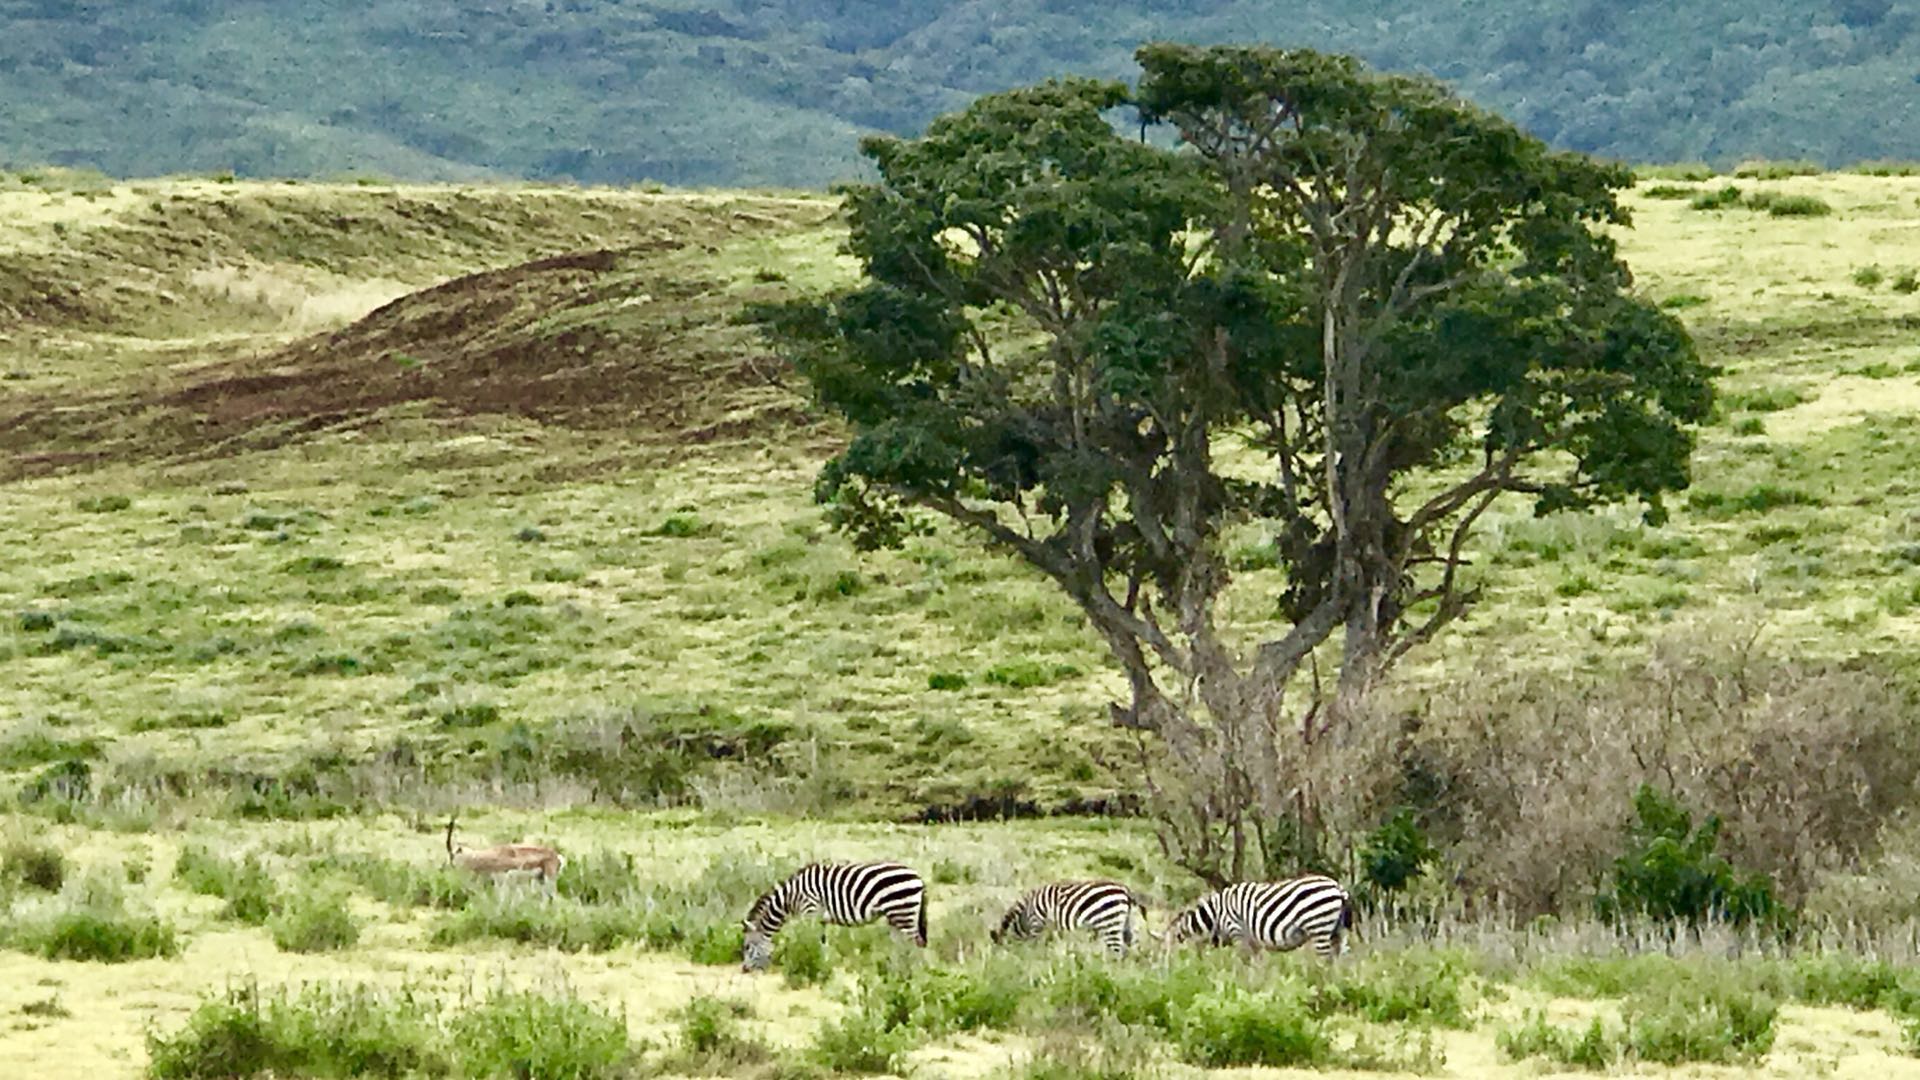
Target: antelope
point(507, 860)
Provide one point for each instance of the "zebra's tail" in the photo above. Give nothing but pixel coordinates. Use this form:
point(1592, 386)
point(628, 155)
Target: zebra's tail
point(1349, 918)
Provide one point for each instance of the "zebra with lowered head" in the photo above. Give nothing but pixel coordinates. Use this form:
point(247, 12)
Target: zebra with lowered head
point(1105, 907)
point(846, 894)
point(1271, 915)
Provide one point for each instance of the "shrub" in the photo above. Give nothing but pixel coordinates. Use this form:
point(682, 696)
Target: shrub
point(1394, 854)
point(1590, 1048)
point(1233, 1027)
point(599, 877)
point(1671, 872)
point(802, 958)
point(1681, 301)
point(680, 527)
point(361, 1031)
point(244, 884)
point(527, 1035)
point(1668, 191)
point(104, 504)
point(1845, 979)
point(315, 922)
point(1417, 986)
point(1776, 170)
point(1765, 399)
point(1750, 425)
point(860, 1042)
point(1886, 167)
point(710, 1040)
point(1678, 170)
point(36, 866)
point(946, 680)
point(1697, 1019)
point(98, 932)
point(1725, 197)
point(1868, 277)
point(1026, 674)
point(1797, 206)
point(1906, 281)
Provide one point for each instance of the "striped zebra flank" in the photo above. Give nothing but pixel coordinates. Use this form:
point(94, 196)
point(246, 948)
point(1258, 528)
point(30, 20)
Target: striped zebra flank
point(1104, 907)
point(1271, 915)
point(845, 894)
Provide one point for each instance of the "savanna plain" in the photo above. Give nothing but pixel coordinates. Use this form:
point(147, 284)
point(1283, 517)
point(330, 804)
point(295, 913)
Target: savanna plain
point(329, 511)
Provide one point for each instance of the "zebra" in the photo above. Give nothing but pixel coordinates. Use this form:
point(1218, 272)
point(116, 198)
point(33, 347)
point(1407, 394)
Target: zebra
point(846, 894)
point(1105, 907)
point(1271, 915)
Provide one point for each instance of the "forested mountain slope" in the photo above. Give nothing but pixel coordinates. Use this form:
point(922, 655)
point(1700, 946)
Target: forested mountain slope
point(775, 91)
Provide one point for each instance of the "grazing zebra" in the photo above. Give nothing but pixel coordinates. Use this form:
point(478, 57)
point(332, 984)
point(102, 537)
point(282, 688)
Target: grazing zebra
point(1105, 907)
point(1271, 915)
point(846, 894)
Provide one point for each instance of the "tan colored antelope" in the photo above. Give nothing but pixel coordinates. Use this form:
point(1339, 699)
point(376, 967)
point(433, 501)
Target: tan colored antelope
point(507, 860)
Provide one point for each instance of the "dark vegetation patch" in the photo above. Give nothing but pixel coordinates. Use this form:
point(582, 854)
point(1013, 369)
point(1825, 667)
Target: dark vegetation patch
point(625, 338)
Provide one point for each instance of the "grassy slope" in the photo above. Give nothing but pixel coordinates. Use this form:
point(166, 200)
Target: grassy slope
point(392, 576)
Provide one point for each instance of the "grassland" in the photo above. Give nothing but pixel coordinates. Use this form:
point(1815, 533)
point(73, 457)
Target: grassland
point(536, 542)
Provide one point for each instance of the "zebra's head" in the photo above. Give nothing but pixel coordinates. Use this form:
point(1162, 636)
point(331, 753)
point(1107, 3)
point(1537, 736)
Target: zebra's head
point(1020, 922)
point(1198, 921)
point(757, 950)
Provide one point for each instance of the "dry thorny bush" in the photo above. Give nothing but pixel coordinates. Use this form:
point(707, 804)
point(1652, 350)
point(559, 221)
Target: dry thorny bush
point(1525, 778)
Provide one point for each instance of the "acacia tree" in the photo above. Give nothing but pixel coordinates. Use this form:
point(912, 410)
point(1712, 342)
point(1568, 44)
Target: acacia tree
point(1350, 308)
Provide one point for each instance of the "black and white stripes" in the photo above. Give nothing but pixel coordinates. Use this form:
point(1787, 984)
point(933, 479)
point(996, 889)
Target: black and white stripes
point(1105, 907)
point(1271, 915)
point(1258, 914)
point(844, 893)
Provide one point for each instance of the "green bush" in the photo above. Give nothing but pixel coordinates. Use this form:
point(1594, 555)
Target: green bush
point(1403, 986)
point(1764, 399)
point(243, 883)
point(36, 866)
point(860, 1043)
point(1026, 674)
point(1776, 170)
point(1394, 854)
point(97, 932)
point(1869, 277)
point(1845, 979)
point(313, 922)
point(710, 1041)
point(1668, 191)
point(600, 877)
point(514, 1034)
point(1728, 196)
point(1797, 206)
point(359, 1031)
point(801, 957)
point(1671, 872)
point(1588, 1048)
point(1700, 1020)
point(1233, 1027)
point(1678, 170)
point(1906, 281)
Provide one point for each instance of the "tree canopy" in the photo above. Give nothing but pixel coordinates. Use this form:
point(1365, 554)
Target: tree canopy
point(1349, 307)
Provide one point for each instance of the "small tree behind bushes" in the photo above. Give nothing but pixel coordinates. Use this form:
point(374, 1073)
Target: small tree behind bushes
point(1671, 872)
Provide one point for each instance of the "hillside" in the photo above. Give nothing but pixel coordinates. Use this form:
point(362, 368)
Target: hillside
point(754, 92)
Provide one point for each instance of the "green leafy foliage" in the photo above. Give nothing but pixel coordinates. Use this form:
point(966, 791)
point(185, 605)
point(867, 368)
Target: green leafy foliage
point(1671, 872)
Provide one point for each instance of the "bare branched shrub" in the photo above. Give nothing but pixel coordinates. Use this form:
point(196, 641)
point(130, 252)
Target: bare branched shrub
point(1526, 778)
